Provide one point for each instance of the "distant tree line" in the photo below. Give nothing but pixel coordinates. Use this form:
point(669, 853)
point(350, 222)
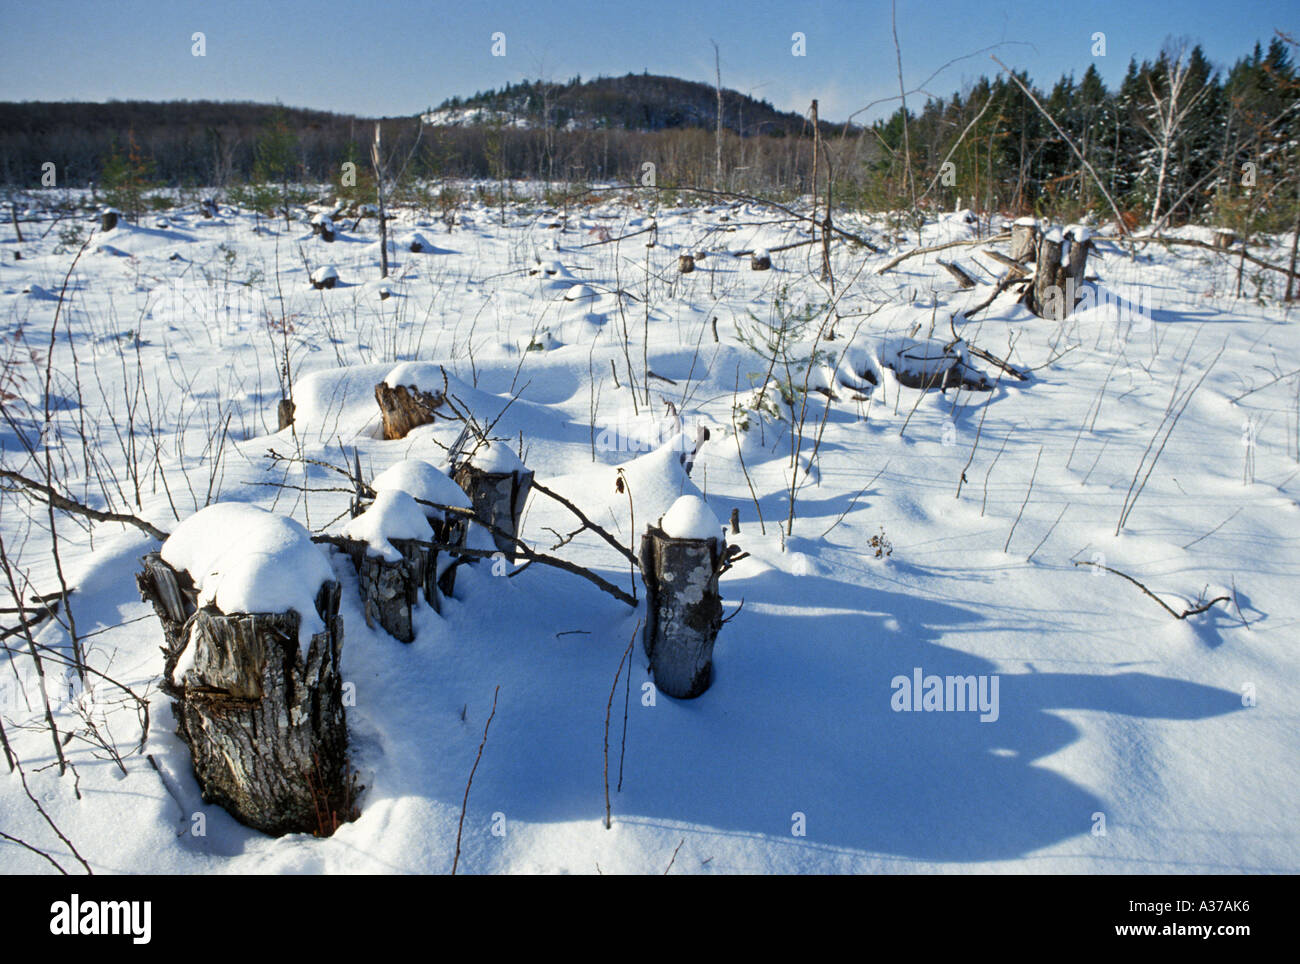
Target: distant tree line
point(1177, 140)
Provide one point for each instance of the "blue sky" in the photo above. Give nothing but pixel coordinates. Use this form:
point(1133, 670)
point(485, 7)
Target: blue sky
point(397, 58)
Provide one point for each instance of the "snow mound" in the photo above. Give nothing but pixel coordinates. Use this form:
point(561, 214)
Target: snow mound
point(247, 560)
point(421, 480)
point(323, 274)
point(393, 515)
point(496, 458)
point(690, 518)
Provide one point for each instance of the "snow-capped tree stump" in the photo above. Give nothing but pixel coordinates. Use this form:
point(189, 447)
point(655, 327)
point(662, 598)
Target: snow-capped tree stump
point(266, 727)
point(760, 261)
point(686, 263)
point(390, 590)
point(498, 499)
point(683, 610)
point(1059, 275)
point(208, 207)
point(324, 277)
point(108, 219)
point(1224, 238)
point(405, 407)
point(1024, 240)
point(284, 414)
point(322, 226)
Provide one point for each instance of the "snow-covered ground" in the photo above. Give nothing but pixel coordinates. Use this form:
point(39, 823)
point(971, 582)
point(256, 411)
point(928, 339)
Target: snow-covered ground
point(1111, 737)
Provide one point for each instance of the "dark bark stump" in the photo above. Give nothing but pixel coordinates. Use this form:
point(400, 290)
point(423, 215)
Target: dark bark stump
point(498, 499)
point(683, 610)
point(1056, 288)
point(267, 731)
point(405, 407)
point(323, 230)
point(1024, 242)
point(108, 220)
point(1049, 296)
point(284, 414)
point(389, 589)
point(208, 207)
point(760, 262)
point(685, 263)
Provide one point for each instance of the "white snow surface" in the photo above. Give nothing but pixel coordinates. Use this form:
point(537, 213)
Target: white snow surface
point(393, 515)
point(1179, 731)
point(244, 559)
point(422, 481)
point(691, 518)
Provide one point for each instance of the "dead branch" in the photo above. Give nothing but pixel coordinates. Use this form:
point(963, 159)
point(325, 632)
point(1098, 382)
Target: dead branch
point(1193, 611)
point(470, 782)
point(59, 501)
point(899, 259)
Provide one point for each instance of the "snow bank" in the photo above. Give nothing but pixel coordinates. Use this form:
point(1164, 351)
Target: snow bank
point(393, 515)
point(421, 480)
point(247, 560)
point(690, 518)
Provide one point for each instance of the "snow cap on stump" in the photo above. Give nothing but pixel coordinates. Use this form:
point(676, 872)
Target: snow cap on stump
point(393, 515)
point(244, 559)
point(690, 518)
point(423, 481)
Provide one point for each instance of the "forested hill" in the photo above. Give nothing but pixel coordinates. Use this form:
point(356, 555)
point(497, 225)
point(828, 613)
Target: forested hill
point(641, 102)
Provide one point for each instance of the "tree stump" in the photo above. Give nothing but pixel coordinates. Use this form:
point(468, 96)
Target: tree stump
point(266, 728)
point(1059, 275)
point(208, 207)
point(760, 261)
point(404, 407)
point(1224, 238)
point(324, 278)
point(108, 219)
point(683, 610)
point(322, 226)
point(686, 263)
point(498, 499)
point(284, 414)
point(389, 590)
point(1024, 240)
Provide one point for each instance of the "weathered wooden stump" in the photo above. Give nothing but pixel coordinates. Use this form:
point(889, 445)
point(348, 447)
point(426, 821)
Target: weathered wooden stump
point(404, 407)
point(686, 263)
point(108, 219)
point(1024, 240)
point(1224, 238)
point(497, 484)
point(324, 277)
point(322, 226)
point(1059, 275)
point(760, 261)
point(390, 589)
point(683, 609)
point(284, 414)
point(266, 727)
point(208, 207)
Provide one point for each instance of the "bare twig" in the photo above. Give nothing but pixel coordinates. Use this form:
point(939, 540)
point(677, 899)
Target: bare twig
point(1191, 611)
point(470, 782)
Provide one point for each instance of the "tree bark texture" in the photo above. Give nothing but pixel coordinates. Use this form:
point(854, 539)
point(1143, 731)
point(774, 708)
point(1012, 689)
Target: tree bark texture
point(405, 407)
point(498, 499)
point(390, 590)
point(683, 610)
point(266, 729)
